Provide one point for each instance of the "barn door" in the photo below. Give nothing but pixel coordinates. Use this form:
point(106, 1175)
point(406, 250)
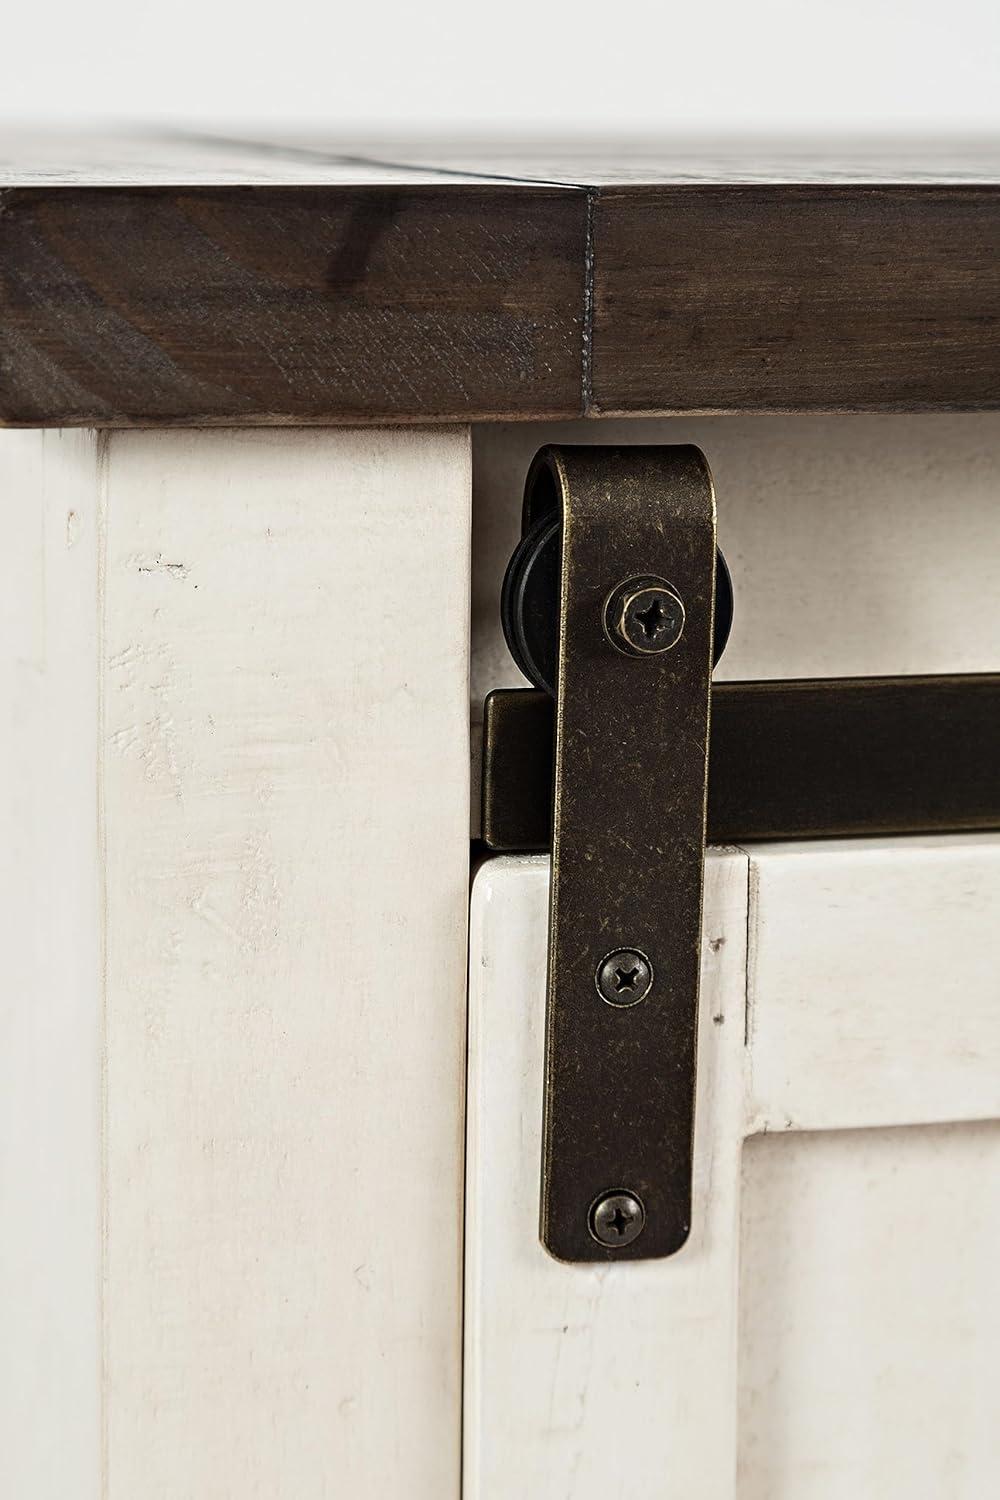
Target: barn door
point(829, 1330)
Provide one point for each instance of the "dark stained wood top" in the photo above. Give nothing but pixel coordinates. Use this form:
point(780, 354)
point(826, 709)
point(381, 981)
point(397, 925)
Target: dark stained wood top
point(188, 280)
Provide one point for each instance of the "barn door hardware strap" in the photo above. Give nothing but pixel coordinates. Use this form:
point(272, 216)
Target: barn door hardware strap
point(609, 605)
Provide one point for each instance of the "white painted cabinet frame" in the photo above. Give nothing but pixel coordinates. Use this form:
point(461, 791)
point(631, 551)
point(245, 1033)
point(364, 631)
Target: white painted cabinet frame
point(234, 809)
point(234, 793)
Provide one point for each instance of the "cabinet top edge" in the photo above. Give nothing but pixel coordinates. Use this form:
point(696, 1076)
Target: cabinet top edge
point(185, 280)
point(57, 158)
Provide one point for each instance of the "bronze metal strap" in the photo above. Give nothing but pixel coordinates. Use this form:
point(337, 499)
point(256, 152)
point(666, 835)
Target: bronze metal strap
point(631, 748)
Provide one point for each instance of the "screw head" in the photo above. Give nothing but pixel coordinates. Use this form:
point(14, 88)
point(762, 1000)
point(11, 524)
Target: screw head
point(616, 1219)
point(644, 617)
point(624, 977)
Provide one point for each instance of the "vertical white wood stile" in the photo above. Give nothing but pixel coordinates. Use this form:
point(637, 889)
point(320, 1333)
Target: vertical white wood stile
point(593, 1380)
point(51, 992)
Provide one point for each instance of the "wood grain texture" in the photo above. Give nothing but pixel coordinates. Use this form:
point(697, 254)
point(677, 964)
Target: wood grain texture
point(50, 995)
point(289, 304)
point(30, 155)
point(796, 299)
point(870, 1314)
point(285, 811)
point(233, 905)
point(589, 1381)
point(830, 1330)
point(217, 281)
point(849, 938)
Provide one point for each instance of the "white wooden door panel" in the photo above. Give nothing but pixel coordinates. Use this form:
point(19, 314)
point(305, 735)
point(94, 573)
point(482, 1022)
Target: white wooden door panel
point(874, 983)
point(838, 1286)
point(870, 1315)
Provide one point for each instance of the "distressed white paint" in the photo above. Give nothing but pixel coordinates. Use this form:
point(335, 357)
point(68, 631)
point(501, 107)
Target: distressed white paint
point(875, 983)
point(50, 1042)
point(870, 1315)
point(282, 682)
point(588, 1381)
point(864, 1276)
point(222, 774)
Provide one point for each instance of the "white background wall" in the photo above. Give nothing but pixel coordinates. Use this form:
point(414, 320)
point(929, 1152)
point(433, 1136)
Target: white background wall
point(916, 66)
